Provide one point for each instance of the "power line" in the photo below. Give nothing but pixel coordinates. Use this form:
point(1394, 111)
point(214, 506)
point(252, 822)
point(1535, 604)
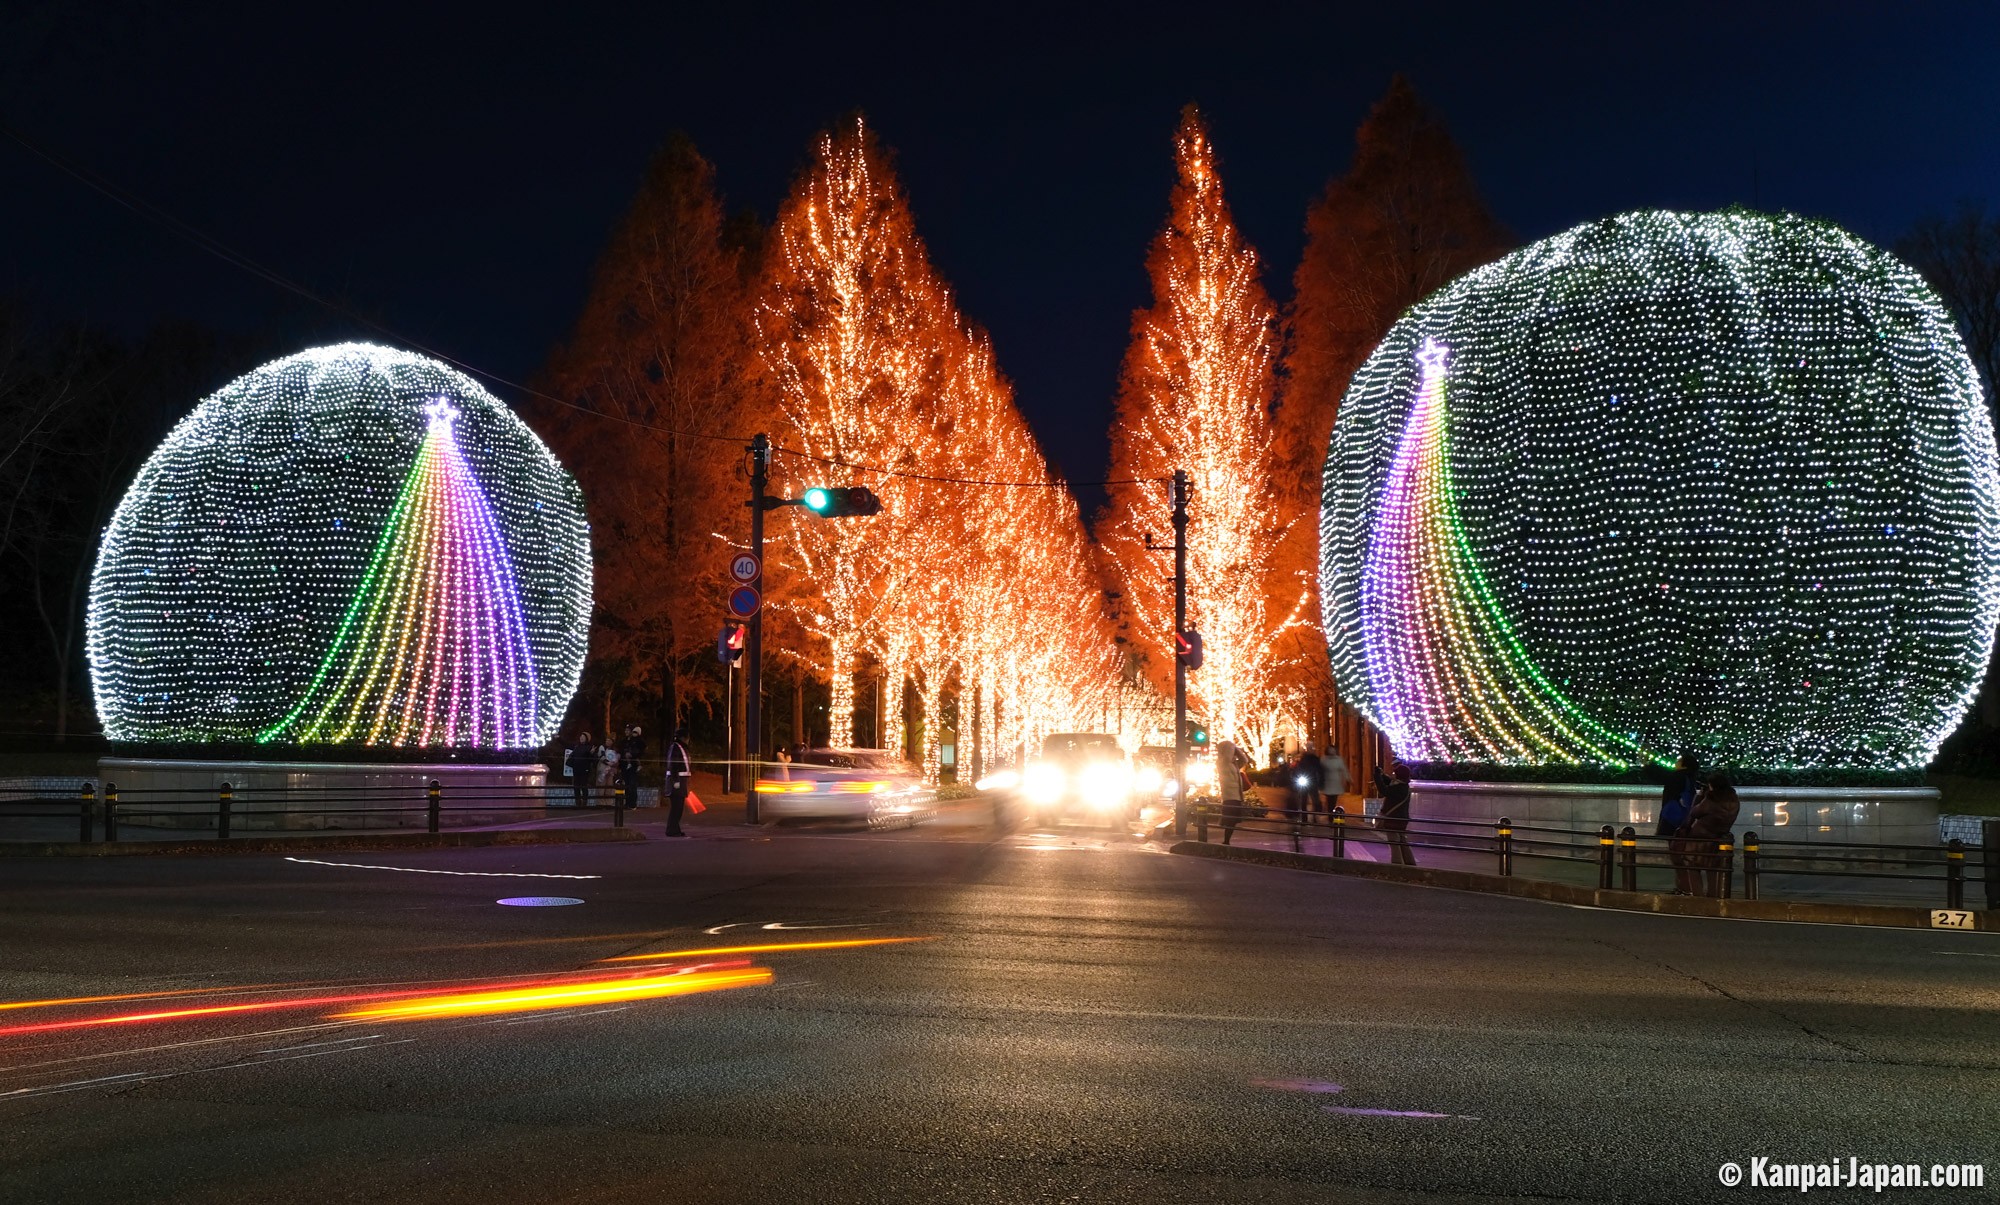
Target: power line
point(146, 209)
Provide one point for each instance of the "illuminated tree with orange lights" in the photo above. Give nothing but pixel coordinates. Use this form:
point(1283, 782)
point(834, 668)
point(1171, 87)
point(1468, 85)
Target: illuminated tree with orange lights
point(1196, 394)
point(652, 378)
point(842, 317)
point(956, 587)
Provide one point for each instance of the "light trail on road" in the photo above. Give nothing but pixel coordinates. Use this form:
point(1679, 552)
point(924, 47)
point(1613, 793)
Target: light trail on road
point(567, 995)
point(783, 947)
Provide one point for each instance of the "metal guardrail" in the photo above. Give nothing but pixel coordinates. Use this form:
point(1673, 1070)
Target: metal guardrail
point(229, 809)
point(1715, 867)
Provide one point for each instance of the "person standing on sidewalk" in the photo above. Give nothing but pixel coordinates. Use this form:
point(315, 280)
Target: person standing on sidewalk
point(1229, 784)
point(1334, 776)
point(1394, 788)
point(680, 780)
point(1677, 796)
point(630, 750)
point(581, 762)
point(1715, 813)
point(1303, 778)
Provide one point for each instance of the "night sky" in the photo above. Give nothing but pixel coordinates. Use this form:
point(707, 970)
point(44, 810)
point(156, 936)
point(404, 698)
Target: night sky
point(454, 173)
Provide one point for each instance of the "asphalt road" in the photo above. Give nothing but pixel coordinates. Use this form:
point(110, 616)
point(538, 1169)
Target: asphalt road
point(1088, 1020)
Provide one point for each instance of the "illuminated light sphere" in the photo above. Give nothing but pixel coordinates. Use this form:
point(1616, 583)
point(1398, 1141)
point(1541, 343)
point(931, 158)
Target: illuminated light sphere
point(1666, 482)
point(352, 546)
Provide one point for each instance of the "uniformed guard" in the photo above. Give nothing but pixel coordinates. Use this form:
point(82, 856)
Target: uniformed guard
point(680, 780)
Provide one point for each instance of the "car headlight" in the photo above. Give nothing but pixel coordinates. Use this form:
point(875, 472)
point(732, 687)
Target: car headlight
point(1104, 785)
point(1043, 783)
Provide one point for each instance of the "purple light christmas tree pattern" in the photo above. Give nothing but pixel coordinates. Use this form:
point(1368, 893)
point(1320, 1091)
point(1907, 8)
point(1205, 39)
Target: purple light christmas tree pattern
point(433, 649)
point(352, 546)
point(1722, 483)
point(1453, 675)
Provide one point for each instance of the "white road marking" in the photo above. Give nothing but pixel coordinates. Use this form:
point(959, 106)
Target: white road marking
point(310, 1045)
point(471, 874)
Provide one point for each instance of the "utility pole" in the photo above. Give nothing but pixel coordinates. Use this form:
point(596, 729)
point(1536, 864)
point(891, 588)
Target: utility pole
point(753, 719)
point(1180, 664)
point(746, 602)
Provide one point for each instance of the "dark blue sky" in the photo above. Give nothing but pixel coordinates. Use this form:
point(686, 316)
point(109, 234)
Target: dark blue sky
point(454, 171)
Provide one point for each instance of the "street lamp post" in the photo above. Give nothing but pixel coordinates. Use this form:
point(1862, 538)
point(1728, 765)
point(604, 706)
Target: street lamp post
point(1180, 664)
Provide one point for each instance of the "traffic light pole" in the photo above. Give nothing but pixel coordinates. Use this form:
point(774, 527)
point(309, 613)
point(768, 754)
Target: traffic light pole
point(1180, 664)
point(753, 702)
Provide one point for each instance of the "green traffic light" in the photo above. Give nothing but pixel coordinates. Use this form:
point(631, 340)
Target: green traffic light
point(817, 499)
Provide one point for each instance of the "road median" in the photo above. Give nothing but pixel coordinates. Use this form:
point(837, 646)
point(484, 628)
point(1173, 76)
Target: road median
point(1803, 911)
point(472, 839)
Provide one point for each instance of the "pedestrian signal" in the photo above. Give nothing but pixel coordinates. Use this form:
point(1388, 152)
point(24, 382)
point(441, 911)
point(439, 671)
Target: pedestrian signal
point(1187, 649)
point(729, 644)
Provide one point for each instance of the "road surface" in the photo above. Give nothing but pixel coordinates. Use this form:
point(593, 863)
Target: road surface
point(1085, 1019)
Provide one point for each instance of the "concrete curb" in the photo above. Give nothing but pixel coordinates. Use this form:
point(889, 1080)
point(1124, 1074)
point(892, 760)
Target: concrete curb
point(1881, 915)
point(280, 845)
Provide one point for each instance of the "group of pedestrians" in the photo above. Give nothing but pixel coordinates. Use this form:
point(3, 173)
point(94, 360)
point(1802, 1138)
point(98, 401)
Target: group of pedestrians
point(1696, 814)
point(588, 763)
point(1313, 783)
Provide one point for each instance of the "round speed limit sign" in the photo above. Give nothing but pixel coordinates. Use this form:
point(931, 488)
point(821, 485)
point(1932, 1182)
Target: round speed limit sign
point(744, 567)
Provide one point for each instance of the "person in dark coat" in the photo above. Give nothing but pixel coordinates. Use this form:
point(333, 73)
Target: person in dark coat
point(581, 761)
point(1677, 796)
point(1231, 785)
point(1394, 788)
point(680, 780)
point(1713, 819)
point(1303, 777)
point(630, 750)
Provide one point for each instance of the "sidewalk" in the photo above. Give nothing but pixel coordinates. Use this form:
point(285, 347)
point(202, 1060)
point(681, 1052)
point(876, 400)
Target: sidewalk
point(1365, 844)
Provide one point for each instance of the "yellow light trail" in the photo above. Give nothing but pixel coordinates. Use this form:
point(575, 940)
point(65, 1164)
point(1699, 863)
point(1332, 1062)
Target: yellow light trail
point(189, 991)
point(568, 995)
point(781, 947)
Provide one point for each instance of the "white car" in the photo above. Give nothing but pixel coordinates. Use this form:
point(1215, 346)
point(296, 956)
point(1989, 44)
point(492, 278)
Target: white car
point(871, 785)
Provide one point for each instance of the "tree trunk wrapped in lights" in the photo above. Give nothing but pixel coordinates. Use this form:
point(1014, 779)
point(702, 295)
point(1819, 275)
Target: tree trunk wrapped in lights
point(1196, 394)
